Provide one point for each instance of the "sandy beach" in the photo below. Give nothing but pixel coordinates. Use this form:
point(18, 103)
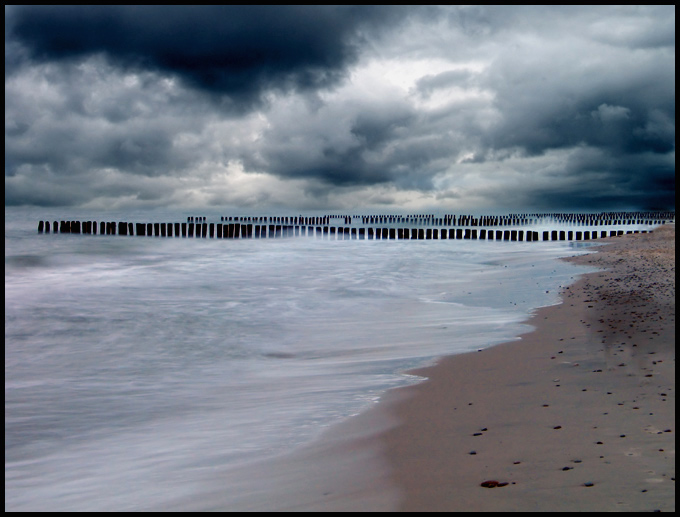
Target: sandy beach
point(578, 415)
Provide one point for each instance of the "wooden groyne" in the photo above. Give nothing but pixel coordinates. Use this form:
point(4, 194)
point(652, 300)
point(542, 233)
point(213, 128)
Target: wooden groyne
point(512, 227)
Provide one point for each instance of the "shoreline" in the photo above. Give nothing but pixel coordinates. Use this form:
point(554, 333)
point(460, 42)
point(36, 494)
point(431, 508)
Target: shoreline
point(578, 415)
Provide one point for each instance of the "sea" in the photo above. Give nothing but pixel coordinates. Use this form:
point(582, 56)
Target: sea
point(137, 368)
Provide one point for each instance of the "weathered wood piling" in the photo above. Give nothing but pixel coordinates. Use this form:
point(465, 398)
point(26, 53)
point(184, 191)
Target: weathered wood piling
point(512, 227)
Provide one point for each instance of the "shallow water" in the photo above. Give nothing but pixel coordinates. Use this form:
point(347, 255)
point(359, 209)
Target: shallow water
point(133, 366)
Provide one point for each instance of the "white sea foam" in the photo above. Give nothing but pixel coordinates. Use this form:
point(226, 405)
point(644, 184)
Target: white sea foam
point(133, 366)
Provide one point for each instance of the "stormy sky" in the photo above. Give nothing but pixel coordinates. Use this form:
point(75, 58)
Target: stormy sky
point(459, 109)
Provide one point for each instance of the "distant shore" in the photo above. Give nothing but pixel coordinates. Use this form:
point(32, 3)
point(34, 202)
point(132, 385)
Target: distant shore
point(577, 416)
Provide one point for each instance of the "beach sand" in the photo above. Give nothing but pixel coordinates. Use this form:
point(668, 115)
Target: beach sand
point(578, 415)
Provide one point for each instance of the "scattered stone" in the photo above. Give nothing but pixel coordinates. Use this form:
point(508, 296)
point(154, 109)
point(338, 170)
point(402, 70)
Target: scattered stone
point(492, 483)
point(588, 483)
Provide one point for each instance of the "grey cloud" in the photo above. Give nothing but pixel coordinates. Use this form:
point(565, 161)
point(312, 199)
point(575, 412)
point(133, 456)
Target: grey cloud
point(238, 52)
point(106, 99)
point(452, 78)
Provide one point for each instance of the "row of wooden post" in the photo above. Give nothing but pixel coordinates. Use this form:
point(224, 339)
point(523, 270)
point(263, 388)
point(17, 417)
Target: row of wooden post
point(272, 231)
point(602, 219)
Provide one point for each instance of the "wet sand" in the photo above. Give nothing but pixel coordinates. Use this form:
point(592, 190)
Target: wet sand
point(578, 415)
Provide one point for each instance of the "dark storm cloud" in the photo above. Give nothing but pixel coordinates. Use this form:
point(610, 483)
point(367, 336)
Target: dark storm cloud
point(619, 105)
point(546, 107)
point(596, 178)
point(236, 51)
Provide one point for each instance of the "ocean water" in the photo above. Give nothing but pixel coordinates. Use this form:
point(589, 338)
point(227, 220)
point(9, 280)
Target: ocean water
point(135, 367)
